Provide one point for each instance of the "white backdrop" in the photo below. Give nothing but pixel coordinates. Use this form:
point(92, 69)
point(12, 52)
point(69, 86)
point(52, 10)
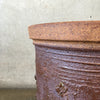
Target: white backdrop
point(17, 53)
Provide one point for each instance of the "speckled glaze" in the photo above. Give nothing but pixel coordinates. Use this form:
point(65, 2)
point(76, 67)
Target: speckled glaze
point(67, 60)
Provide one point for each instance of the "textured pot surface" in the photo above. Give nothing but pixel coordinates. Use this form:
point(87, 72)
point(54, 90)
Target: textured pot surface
point(67, 60)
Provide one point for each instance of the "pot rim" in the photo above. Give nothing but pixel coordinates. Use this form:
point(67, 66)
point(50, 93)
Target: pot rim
point(66, 31)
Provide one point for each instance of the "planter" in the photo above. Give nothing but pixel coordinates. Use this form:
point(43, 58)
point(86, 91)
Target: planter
point(67, 60)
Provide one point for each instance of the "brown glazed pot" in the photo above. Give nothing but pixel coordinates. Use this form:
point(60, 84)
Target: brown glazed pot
point(67, 60)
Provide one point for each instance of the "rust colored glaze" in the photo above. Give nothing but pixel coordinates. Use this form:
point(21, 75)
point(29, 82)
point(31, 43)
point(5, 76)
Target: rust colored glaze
point(67, 60)
point(70, 31)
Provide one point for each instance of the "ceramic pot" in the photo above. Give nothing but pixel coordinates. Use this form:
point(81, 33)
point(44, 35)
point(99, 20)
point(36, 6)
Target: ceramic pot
point(67, 60)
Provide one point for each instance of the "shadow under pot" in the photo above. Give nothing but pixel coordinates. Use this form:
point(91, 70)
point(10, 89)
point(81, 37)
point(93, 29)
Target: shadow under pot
point(67, 60)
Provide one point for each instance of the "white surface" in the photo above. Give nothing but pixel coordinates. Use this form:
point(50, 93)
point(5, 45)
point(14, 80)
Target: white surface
point(17, 56)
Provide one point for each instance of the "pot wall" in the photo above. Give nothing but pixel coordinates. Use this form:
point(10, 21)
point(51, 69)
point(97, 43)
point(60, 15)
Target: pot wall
point(67, 74)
